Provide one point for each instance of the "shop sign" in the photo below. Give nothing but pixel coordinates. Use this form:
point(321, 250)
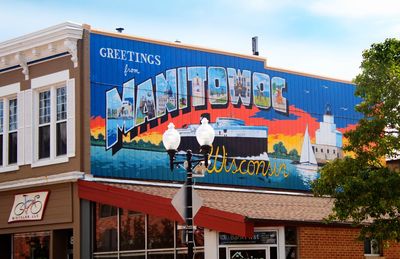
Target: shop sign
point(28, 206)
point(265, 237)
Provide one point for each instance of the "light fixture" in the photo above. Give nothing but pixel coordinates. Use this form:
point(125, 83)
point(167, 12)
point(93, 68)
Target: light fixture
point(171, 139)
point(205, 135)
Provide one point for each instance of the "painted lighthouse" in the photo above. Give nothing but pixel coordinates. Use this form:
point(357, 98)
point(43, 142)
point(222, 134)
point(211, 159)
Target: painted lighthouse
point(328, 140)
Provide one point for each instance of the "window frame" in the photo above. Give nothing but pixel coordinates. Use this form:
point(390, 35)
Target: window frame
point(63, 119)
point(45, 123)
point(119, 252)
point(280, 245)
point(368, 242)
point(296, 244)
point(31, 117)
point(10, 93)
point(12, 113)
point(6, 166)
point(53, 158)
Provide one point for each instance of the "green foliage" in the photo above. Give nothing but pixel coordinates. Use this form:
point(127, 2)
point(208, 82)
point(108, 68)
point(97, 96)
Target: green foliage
point(294, 155)
point(280, 149)
point(100, 137)
point(364, 189)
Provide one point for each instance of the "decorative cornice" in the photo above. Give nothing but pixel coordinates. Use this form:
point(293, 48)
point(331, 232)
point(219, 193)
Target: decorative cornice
point(71, 46)
point(4, 61)
point(52, 47)
point(21, 60)
point(36, 52)
point(48, 42)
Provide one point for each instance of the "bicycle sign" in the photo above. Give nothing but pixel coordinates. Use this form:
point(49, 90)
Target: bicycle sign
point(28, 206)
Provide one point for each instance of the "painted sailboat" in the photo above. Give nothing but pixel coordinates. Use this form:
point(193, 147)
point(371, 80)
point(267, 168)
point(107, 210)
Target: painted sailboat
point(308, 162)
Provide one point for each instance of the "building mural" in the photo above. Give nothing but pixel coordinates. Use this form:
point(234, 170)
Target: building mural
point(273, 128)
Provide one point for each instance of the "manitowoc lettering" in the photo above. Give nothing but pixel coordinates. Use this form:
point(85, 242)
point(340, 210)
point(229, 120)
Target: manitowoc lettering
point(207, 86)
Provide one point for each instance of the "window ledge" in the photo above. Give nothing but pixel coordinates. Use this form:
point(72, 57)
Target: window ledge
point(9, 168)
point(46, 162)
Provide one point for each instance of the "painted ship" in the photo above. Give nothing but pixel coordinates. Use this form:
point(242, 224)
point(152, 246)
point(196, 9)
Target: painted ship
point(238, 139)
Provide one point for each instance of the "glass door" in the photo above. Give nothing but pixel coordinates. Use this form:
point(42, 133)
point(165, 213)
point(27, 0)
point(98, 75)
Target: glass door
point(263, 245)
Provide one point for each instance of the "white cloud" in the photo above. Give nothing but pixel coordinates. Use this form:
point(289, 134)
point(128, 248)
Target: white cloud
point(356, 8)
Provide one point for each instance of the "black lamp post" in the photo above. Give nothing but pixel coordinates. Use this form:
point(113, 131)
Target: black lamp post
point(171, 139)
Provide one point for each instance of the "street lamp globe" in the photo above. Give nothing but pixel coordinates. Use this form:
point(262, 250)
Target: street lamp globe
point(171, 138)
point(205, 133)
point(205, 136)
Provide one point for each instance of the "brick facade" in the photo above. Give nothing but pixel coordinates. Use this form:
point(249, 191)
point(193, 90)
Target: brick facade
point(392, 252)
point(336, 243)
point(328, 243)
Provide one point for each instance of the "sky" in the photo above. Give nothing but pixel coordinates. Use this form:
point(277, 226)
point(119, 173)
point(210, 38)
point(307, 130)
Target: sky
point(325, 37)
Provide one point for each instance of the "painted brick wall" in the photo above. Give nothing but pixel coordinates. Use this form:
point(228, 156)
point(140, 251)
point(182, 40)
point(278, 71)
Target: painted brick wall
point(329, 243)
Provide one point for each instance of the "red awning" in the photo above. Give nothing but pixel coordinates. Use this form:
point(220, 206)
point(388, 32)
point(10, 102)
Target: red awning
point(160, 206)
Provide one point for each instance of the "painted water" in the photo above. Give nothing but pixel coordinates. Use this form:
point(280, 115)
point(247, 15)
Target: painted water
point(151, 165)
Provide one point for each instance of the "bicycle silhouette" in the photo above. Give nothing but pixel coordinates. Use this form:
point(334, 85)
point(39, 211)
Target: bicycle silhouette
point(32, 205)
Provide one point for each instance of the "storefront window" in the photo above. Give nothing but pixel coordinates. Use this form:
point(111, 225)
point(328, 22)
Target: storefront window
point(273, 252)
point(133, 255)
point(132, 234)
point(197, 255)
point(160, 233)
point(107, 211)
point(198, 236)
point(180, 236)
point(140, 236)
point(106, 228)
point(31, 245)
point(222, 253)
point(161, 255)
point(290, 243)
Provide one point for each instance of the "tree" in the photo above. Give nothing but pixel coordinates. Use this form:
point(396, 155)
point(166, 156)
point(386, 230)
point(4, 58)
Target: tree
point(364, 189)
point(293, 154)
point(100, 137)
point(280, 149)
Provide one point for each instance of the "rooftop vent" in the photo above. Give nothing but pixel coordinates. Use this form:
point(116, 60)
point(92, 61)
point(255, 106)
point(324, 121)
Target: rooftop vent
point(254, 43)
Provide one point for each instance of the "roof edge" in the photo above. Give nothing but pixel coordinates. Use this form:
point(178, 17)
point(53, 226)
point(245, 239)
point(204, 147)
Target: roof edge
point(176, 44)
point(216, 51)
point(197, 186)
point(160, 206)
point(66, 30)
point(310, 75)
